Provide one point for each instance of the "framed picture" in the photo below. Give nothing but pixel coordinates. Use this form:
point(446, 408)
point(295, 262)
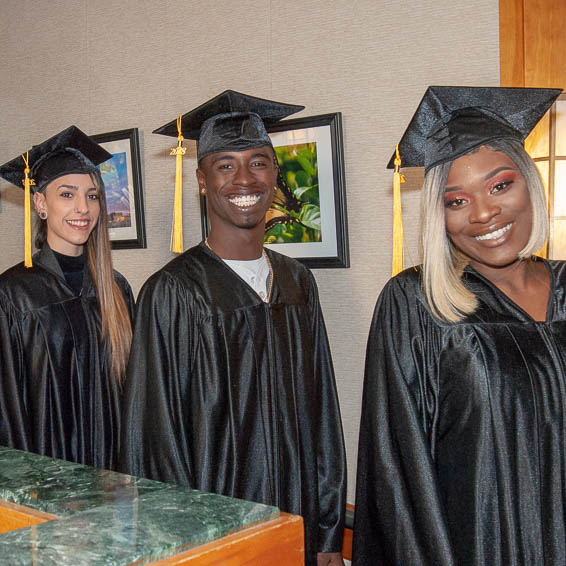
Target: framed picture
point(307, 220)
point(123, 187)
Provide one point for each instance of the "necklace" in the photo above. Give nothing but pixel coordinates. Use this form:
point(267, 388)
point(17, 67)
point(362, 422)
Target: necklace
point(269, 278)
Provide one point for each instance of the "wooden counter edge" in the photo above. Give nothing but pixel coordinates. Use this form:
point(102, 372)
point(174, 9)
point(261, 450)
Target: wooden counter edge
point(276, 542)
point(14, 516)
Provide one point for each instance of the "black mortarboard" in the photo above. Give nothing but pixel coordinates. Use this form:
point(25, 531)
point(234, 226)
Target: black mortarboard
point(231, 121)
point(451, 121)
point(70, 151)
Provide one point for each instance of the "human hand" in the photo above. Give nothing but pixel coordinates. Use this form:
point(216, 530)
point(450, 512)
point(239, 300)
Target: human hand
point(329, 559)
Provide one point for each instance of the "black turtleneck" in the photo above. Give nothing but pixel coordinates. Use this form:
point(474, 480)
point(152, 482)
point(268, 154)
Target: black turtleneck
point(73, 270)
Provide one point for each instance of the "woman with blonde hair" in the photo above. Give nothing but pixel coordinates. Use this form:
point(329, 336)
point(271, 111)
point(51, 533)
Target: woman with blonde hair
point(462, 453)
point(65, 314)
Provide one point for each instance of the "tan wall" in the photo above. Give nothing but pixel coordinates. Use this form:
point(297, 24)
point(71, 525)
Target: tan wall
point(106, 65)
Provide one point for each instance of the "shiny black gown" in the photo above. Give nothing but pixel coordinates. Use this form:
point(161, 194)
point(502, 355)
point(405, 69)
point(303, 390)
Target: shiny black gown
point(56, 395)
point(462, 454)
point(228, 394)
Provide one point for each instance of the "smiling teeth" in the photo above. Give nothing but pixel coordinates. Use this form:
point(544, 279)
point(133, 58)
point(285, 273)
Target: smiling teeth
point(244, 201)
point(80, 223)
point(494, 235)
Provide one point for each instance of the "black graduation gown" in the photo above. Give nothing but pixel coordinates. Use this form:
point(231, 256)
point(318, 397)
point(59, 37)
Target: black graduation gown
point(228, 394)
point(462, 454)
point(56, 395)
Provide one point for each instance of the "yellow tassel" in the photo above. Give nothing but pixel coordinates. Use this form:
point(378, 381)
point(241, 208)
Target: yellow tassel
point(177, 230)
point(397, 263)
point(28, 183)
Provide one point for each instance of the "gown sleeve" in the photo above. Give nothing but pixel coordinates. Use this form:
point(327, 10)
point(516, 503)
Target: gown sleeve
point(14, 423)
point(399, 516)
point(331, 453)
point(154, 436)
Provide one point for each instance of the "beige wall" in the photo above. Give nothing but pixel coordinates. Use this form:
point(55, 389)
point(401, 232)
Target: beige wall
point(106, 65)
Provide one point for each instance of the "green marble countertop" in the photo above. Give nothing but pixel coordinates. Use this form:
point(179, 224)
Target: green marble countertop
point(110, 518)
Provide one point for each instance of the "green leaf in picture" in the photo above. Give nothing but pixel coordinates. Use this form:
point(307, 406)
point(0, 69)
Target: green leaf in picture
point(302, 179)
point(308, 194)
point(306, 165)
point(307, 150)
point(290, 179)
point(310, 216)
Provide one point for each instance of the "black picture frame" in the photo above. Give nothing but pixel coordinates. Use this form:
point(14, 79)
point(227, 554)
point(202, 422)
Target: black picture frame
point(122, 177)
point(325, 133)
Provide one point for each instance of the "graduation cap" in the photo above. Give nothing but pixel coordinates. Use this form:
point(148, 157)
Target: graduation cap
point(69, 151)
point(452, 121)
point(231, 121)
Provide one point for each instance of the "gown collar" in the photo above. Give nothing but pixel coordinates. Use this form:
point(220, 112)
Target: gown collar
point(45, 258)
point(470, 274)
point(272, 283)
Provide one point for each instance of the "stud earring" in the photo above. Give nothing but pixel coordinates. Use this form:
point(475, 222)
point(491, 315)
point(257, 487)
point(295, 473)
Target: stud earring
point(43, 215)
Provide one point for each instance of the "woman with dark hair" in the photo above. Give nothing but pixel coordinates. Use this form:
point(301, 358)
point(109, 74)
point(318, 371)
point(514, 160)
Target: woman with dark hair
point(462, 453)
point(65, 314)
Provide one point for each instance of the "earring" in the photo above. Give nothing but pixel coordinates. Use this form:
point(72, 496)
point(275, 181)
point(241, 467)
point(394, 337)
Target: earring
point(203, 191)
point(43, 215)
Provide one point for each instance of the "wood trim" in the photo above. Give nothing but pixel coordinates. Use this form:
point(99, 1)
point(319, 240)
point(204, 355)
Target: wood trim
point(545, 43)
point(347, 547)
point(274, 543)
point(14, 516)
point(511, 43)
point(532, 43)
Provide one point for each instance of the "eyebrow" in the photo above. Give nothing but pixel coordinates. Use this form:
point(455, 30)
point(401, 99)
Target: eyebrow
point(489, 176)
point(68, 187)
point(222, 158)
point(75, 187)
point(228, 157)
point(498, 170)
point(261, 154)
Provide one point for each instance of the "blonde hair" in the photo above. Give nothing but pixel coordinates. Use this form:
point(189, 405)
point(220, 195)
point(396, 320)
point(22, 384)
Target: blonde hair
point(447, 296)
point(114, 314)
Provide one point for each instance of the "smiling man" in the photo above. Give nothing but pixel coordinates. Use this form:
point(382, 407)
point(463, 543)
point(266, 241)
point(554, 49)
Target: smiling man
point(239, 187)
point(231, 387)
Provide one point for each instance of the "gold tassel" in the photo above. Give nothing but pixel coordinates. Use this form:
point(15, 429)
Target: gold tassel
point(177, 229)
point(397, 263)
point(28, 183)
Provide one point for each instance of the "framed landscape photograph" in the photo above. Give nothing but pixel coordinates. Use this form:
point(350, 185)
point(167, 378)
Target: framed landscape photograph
point(307, 220)
point(123, 187)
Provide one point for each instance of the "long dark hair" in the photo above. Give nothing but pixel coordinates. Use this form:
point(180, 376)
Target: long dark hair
point(114, 314)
